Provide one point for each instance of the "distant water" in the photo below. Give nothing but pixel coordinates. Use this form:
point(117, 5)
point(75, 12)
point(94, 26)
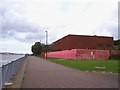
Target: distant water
point(7, 58)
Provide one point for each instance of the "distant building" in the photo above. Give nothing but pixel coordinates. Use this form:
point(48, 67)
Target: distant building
point(83, 42)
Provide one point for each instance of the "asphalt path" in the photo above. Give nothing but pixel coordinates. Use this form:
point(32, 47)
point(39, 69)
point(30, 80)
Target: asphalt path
point(42, 73)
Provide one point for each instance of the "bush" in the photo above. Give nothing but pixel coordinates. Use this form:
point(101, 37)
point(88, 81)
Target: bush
point(115, 56)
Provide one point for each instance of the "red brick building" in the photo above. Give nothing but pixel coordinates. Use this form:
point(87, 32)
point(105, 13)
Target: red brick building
point(83, 42)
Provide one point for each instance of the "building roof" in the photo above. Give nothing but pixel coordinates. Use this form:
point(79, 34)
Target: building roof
point(83, 36)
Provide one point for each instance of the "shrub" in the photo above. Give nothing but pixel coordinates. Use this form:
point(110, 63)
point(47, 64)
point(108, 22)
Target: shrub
point(115, 56)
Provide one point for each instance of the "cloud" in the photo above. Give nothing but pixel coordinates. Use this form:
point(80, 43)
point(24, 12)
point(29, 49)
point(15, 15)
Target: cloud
point(109, 30)
point(25, 22)
point(77, 17)
point(19, 28)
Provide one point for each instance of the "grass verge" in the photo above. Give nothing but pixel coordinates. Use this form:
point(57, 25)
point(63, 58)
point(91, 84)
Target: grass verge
point(89, 65)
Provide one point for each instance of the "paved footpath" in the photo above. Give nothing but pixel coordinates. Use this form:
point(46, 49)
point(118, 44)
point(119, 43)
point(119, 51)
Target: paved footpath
point(45, 74)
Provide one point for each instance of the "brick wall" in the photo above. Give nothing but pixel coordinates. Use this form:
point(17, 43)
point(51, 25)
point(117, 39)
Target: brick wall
point(83, 42)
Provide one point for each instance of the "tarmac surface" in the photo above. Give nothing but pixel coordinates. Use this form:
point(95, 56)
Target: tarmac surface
point(42, 73)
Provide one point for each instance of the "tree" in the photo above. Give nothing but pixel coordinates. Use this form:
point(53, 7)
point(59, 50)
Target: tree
point(117, 44)
point(36, 48)
point(43, 46)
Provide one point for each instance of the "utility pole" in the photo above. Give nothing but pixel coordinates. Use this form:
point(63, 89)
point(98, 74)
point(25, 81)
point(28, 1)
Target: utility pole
point(46, 42)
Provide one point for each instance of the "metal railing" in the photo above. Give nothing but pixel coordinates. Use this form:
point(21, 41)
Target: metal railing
point(10, 69)
point(0, 78)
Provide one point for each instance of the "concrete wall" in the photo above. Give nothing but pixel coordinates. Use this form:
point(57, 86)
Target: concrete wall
point(115, 52)
point(68, 54)
point(81, 54)
point(93, 54)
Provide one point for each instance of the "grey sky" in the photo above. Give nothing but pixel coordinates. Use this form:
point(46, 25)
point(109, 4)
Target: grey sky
point(25, 21)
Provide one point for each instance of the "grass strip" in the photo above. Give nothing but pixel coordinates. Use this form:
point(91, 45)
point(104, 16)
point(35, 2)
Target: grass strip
point(89, 65)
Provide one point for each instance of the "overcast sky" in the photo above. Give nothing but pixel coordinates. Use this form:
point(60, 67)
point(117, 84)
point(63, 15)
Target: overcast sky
point(23, 22)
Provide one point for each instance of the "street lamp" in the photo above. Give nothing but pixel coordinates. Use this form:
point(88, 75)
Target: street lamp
point(46, 42)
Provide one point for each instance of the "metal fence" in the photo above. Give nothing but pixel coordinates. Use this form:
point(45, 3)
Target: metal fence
point(10, 69)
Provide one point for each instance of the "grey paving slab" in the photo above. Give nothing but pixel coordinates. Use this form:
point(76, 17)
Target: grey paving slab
point(45, 74)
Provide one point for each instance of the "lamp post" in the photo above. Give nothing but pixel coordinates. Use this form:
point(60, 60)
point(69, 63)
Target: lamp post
point(46, 42)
